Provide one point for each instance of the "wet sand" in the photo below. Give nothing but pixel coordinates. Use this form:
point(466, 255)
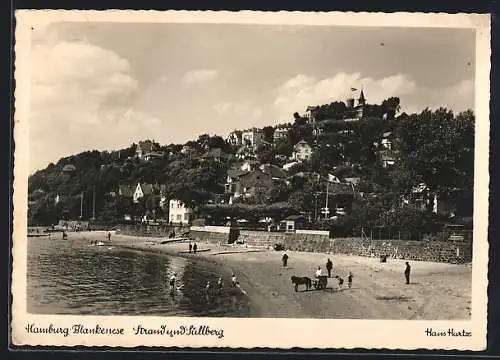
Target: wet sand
point(437, 291)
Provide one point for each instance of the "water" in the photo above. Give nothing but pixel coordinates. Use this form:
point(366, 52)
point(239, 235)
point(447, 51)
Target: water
point(71, 277)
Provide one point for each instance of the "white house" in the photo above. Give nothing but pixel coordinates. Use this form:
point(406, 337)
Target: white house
point(302, 151)
point(249, 165)
point(386, 141)
point(252, 137)
point(179, 213)
point(234, 138)
point(281, 132)
point(310, 113)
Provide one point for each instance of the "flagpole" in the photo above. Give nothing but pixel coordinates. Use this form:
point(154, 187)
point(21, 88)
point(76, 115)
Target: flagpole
point(93, 205)
point(81, 206)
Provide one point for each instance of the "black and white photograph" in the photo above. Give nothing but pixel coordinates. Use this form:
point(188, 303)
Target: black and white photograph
point(304, 170)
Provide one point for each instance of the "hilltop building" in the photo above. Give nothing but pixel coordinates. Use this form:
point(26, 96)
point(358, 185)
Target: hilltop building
point(356, 113)
point(310, 113)
point(148, 150)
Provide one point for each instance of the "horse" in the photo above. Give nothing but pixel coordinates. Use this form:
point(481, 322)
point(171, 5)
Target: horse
point(296, 281)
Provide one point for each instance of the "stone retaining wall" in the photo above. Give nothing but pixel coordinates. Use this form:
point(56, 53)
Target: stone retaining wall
point(152, 230)
point(263, 239)
point(214, 237)
point(438, 251)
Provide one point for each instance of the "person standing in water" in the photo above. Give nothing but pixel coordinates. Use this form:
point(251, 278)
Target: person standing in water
point(208, 287)
point(329, 266)
point(173, 278)
point(220, 285)
point(284, 259)
point(407, 273)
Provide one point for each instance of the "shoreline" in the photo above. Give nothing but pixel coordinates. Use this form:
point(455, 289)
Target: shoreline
point(437, 291)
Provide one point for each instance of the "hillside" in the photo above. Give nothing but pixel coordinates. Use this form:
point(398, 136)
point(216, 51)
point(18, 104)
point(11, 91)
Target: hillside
point(384, 158)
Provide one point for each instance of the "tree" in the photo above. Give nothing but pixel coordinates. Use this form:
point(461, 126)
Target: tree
point(436, 148)
point(268, 133)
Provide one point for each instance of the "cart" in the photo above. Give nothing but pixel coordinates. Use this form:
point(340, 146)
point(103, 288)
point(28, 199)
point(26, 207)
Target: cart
point(320, 282)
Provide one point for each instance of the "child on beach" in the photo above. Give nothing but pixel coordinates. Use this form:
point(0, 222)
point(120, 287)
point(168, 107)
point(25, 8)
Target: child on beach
point(349, 280)
point(234, 281)
point(341, 282)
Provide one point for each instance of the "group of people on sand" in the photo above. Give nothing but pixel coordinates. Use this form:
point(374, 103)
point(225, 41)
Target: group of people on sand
point(319, 271)
point(193, 247)
point(329, 267)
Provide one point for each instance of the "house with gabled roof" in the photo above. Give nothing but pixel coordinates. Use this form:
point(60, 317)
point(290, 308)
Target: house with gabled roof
point(213, 154)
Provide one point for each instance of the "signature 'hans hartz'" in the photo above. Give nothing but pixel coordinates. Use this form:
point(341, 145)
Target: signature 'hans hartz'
point(183, 330)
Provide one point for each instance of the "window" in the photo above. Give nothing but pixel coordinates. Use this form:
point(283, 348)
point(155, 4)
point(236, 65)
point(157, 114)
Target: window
point(179, 217)
point(171, 217)
point(186, 217)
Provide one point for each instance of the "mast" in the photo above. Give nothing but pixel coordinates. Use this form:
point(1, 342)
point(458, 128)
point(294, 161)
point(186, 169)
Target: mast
point(326, 202)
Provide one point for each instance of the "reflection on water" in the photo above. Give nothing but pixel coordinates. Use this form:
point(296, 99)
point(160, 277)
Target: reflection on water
point(71, 277)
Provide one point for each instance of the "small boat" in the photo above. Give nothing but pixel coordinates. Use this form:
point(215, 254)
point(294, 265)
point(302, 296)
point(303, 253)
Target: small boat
point(192, 252)
point(174, 239)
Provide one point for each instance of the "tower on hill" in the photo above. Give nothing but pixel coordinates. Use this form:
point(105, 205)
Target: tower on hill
point(360, 109)
point(362, 100)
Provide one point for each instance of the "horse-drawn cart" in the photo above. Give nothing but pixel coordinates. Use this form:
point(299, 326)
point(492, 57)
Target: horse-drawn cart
point(320, 282)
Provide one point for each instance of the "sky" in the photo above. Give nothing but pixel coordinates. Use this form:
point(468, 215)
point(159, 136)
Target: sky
point(105, 86)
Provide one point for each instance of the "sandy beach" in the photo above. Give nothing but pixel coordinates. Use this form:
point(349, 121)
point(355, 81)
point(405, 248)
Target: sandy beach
point(437, 291)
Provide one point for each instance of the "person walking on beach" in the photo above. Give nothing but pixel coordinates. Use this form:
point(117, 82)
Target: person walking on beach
point(329, 266)
point(407, 273)
point(284, 259)
point(109, 236)
point(190, 247)
point(195, 247)
point(349, 280)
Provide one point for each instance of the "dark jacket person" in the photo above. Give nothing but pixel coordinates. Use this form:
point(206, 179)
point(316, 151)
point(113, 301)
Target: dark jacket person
point(329, 266)
point(284, 259)
point(407, 273)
